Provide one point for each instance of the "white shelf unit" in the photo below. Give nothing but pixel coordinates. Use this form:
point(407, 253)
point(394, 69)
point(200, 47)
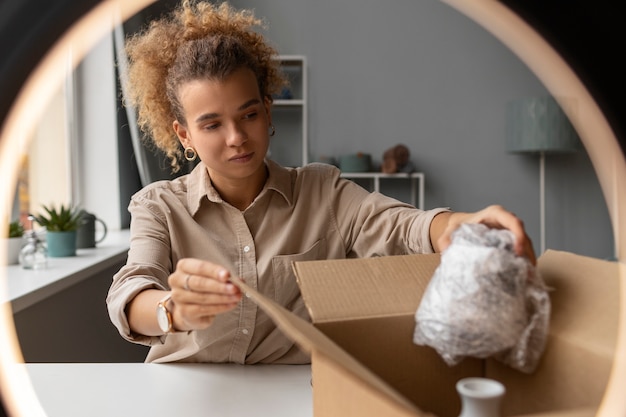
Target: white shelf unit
point(417, 183)
point(291, 115)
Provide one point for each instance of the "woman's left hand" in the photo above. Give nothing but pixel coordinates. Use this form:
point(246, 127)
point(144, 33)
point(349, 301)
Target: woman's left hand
point(493, 216)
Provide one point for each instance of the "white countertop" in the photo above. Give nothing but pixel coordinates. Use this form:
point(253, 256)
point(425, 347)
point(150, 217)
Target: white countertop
point(189, 390)
point(27, 287)
point(139, 389)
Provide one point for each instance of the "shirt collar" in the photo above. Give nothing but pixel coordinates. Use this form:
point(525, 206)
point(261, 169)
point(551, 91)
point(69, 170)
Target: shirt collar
point(199, 185)
point(280, 180)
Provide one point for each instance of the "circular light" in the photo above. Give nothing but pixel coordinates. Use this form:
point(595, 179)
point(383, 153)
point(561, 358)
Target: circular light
point(595, 132)
point(17, 392)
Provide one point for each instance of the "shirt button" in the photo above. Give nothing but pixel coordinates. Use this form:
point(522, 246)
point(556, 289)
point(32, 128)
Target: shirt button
point(248, 295)
point(244, 331)
point(246, 249)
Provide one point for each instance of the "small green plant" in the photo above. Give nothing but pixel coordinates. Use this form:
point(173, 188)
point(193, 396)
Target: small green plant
point(63, 219)
point(16, 229)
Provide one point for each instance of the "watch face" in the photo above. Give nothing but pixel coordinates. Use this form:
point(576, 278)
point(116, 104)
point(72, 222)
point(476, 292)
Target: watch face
point(163, 318)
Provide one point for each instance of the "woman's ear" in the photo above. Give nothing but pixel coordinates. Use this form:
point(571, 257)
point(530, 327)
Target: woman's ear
point(181, 132)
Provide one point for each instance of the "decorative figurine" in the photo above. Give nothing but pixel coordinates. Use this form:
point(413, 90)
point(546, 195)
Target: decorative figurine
point(396, 159)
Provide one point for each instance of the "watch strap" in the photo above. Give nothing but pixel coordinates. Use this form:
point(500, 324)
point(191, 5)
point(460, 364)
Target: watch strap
point(162, 305)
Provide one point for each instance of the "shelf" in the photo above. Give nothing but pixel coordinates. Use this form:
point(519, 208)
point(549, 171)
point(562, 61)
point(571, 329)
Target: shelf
point(294, 60)
point(294, 102)
point(27, 287)
point(291, 120)
point(291, 115)
point(417, 183)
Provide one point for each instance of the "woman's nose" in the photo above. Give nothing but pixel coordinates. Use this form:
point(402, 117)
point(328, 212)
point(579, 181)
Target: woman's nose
point(236, 135)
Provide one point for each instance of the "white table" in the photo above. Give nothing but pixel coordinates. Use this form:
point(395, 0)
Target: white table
point(27, 287)
point(186, 390)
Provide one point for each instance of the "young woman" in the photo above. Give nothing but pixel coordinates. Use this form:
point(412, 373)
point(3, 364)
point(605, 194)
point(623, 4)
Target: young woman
point(203, 79)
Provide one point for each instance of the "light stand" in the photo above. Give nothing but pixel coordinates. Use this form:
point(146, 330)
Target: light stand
point(539, 125)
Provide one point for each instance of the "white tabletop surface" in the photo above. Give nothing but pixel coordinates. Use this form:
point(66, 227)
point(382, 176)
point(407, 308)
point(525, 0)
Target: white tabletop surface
point(168, 390)
point(27, 287)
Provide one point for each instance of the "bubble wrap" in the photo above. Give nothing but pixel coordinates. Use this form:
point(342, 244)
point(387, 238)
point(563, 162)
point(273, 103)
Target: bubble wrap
point(484, 301)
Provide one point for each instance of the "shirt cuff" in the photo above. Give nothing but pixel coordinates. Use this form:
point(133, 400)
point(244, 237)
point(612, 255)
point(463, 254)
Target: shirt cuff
point(425, 237)
point(117, 303)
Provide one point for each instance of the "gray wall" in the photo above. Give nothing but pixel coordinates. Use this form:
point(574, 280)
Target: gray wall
point(420, 73)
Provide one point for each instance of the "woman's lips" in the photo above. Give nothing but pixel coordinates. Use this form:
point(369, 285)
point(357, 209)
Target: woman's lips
point(244, 157)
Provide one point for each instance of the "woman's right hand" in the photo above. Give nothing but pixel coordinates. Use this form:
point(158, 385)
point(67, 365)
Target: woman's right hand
point(200, 291)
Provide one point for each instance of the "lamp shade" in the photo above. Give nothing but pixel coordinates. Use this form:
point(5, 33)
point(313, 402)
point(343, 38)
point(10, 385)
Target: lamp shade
point(539, 124)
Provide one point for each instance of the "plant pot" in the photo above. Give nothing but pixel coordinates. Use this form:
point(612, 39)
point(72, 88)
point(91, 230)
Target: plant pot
point(61, 244)
point(14, 245)
point(359, 162)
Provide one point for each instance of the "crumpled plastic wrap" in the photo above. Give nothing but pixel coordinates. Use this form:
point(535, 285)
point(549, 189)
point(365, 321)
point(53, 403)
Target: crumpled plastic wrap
point(484, 301)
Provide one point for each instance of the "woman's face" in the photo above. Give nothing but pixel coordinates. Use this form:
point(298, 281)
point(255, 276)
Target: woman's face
point(227, 124)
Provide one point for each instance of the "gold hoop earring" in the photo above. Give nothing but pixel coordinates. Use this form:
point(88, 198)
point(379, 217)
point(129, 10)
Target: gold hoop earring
point(272, 130)
point(190, 154)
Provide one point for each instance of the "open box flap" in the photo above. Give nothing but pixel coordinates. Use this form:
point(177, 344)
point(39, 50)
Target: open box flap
point(310, 339)
point(585, 299)
point(584, 326)
point(362, 288)
point(337, 393)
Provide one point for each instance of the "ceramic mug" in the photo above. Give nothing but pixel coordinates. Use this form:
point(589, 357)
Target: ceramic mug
point(86, 236)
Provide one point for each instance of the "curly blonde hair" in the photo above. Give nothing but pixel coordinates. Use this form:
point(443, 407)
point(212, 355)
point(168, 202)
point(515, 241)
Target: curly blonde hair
point(197, 40)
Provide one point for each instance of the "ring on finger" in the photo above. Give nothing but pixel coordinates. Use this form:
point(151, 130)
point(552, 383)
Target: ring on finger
point(186, 286)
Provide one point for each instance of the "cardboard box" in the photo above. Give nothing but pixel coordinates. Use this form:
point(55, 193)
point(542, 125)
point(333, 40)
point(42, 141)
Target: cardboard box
point(364, 361)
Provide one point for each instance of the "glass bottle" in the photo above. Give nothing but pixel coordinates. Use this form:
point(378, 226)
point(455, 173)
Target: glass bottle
point(34, 255)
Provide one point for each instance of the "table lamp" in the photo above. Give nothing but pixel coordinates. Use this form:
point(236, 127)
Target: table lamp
point(538, 125)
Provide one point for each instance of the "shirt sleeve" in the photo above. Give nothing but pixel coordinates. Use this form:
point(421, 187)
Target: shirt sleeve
point(148, 266)
point(373, 224)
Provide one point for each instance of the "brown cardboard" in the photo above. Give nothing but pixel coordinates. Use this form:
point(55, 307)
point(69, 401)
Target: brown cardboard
point(356, 288)
point(576, 365)
point(367, 306)
point(364, 362)
point(314, 342)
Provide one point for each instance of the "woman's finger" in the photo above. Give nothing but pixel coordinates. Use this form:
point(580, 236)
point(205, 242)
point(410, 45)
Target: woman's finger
point(202, 268)
point(200, 284)
point(495, 217)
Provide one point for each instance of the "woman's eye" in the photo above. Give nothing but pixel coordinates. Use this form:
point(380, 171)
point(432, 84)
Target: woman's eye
point(251, 115)
point(212, 126)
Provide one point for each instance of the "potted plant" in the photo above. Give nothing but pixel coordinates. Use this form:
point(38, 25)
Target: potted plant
point(14, 241)
point(61, 225)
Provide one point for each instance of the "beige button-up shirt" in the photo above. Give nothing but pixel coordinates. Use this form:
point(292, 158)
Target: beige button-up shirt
point(301, 214)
